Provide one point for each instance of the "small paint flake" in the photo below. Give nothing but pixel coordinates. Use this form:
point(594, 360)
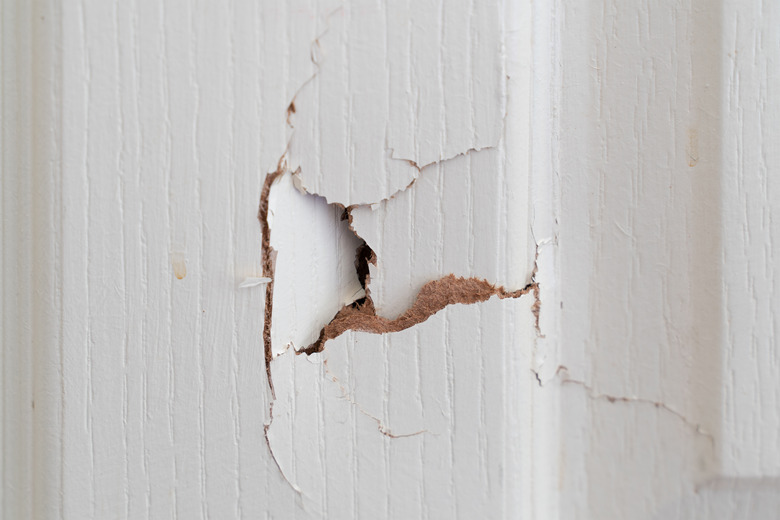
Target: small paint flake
point(253, 282)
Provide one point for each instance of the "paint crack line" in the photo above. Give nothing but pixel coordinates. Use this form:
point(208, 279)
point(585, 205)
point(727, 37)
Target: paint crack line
point(361, 315)
point(592, 394)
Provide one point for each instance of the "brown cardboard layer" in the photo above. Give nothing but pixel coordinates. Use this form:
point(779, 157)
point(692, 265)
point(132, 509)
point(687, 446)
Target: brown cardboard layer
point(433, 297)
point(269, 263)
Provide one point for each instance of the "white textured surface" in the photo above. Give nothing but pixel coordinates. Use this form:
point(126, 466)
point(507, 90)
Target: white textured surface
point(136, 138)
point(465, 203)
point(666, 128)
point(750, 107)
point(315, 264)
point(428, 75)
point(410, 424)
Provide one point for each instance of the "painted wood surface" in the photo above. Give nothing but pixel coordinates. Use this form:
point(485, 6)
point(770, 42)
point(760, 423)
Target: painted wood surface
point(610, 161)
point(664, 167)
point(147, 130)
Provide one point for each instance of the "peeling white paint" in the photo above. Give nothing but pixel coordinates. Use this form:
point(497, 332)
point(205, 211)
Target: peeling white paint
point(253, 282)
point(619, 154)
point(315, 264)
point(446, 222)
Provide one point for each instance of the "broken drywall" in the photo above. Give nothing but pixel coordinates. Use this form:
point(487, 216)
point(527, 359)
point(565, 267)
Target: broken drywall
point(445, 193)
point(371, 117)
point(183, 105)
point(478, 183)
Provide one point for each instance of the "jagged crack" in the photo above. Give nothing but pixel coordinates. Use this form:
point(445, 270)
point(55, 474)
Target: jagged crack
point(433, 297)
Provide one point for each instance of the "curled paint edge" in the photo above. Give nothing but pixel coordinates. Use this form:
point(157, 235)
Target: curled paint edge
point(253, 282)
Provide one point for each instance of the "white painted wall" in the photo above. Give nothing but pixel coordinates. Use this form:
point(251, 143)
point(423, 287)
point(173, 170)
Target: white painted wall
point(617, 153)
point(664, 148)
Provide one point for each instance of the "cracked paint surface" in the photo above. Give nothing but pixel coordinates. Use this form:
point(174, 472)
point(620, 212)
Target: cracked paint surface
point(314, 250)
point(445, 92)
point(643, 134)
point(397, 397)
point(432, 198)
point(467, 196)
point(358, 312)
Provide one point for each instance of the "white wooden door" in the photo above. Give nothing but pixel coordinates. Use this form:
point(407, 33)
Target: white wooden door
point(365, 259)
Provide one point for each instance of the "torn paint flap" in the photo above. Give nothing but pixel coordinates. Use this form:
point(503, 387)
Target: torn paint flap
point(314, 274)
point(449, 234)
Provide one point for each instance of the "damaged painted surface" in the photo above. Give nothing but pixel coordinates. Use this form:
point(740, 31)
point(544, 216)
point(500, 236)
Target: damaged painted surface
point(314, 273)
point(447, 222)
point(403, 425)
point(517, 261)
point(154, 129)
point(413, 246)
point(428, 76)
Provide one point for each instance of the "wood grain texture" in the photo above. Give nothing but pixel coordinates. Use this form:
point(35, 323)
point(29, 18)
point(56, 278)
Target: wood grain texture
point(665, 397)
point(431, 77)
point(139, 135)
point(618, 154)
point(750, 202)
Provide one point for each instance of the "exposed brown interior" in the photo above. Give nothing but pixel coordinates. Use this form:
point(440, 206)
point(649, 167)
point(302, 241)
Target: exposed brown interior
point(432, 298)
point(361, 315)
point(269, 264)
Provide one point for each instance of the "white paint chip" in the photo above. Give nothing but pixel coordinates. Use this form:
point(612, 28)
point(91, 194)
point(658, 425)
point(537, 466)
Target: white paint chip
point(253, 282)
point(315, 264)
